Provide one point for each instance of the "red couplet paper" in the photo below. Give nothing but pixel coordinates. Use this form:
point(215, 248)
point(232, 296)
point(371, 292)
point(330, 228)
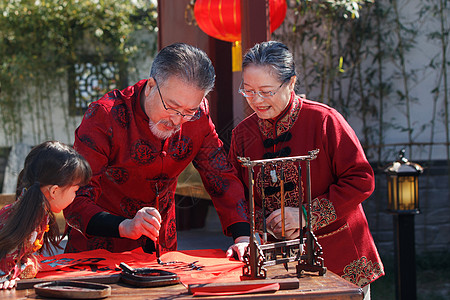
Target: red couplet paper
point(235, 290)
point(192, 266)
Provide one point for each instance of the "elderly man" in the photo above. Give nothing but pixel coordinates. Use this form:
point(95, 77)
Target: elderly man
point(138, 141)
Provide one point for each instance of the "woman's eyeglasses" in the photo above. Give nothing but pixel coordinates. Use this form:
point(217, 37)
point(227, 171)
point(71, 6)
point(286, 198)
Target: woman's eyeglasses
point(262, 94)
point(175, 112)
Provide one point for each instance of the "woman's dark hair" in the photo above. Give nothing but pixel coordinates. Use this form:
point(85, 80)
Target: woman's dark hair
point(186, 62)
point(50, 163)
point(273, 54)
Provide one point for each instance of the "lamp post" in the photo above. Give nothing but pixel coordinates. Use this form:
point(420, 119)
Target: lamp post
point(403, 203)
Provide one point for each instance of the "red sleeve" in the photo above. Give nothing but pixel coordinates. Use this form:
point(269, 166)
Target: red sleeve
point(233, 154)
point(354, 177)
point(92, 140)
point(220, 180)
point(242, 174)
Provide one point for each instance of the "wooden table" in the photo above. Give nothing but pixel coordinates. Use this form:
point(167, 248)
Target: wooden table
point(329, 286)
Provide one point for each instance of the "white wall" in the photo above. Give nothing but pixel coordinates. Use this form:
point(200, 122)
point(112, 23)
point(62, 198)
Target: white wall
point(53, 122)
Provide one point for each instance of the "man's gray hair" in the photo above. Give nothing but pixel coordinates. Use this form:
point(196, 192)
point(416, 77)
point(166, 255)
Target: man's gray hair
point(274, 54)
point(187, 62)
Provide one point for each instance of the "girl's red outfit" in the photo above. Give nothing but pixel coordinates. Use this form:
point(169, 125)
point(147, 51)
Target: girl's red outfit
point(341, 178)
point(131, 167)
point(20, 262)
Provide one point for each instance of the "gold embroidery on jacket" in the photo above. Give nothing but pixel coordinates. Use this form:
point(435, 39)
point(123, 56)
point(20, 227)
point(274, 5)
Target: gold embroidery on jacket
point(322, 213)
point(362, 271)
point(284, 124)
point(333, 232)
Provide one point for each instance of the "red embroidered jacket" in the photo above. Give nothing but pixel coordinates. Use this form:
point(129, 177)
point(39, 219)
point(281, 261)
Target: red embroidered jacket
point(341, 179)
point(20, 262)
point(129, 163)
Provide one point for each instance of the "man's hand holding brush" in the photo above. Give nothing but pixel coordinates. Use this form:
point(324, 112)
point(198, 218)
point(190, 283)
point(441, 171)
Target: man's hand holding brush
point(147, 221)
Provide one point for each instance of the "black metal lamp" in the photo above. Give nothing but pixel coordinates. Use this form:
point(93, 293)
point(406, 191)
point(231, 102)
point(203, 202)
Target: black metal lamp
point(403, 202)
point(403, 185)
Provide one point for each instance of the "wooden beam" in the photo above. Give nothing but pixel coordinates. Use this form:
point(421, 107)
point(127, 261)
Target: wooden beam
point(255, 22)
point(255, 28)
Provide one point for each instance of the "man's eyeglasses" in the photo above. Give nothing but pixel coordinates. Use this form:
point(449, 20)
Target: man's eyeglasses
point(262, 94)
point(175, 112)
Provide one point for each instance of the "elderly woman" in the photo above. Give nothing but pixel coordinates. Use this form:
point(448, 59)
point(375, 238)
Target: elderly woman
point(285, 124)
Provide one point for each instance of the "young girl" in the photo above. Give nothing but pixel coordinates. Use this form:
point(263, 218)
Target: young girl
point(52, 174)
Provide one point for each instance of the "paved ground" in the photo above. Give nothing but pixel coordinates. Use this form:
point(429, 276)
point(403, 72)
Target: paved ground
point(209, 237)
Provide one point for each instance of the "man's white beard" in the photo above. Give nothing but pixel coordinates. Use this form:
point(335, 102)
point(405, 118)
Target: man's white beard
point(162, 134)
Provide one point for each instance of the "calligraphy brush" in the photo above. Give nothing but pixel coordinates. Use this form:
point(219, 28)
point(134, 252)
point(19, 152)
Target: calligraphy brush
point(263, 200)
point(300, 202)
point(157, 246)
point(283, 225)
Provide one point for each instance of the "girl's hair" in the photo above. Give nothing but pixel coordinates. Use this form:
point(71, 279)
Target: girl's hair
point(273, 54)
point(50, 163)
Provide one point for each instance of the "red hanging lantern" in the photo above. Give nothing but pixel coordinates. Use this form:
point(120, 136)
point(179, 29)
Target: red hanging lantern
point(222, 18)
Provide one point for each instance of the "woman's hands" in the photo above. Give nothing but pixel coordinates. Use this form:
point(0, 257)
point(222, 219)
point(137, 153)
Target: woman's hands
point(292, 225)
point(238, 248)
